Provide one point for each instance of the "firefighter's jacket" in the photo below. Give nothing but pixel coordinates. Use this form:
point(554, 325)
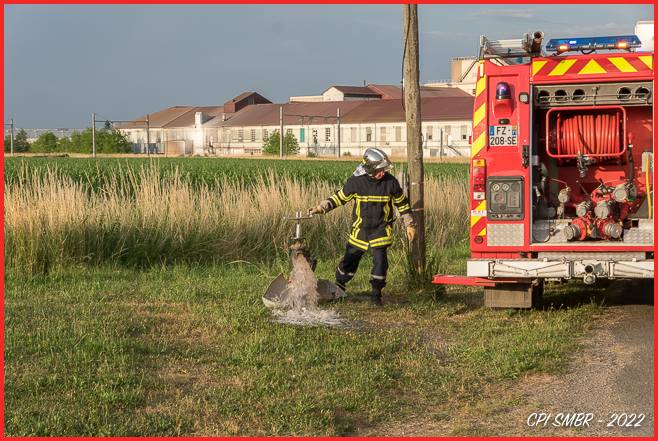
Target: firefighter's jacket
point(372, 214)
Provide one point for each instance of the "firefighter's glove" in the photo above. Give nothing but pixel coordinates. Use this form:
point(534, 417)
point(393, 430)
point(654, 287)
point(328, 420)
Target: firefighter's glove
point(411, 233)
point(321, 208)
point(410, 225)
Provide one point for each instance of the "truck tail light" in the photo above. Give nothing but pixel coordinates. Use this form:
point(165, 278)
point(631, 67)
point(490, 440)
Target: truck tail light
point(479, 174)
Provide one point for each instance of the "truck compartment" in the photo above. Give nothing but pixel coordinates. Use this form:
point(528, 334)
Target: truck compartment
point(592, 159)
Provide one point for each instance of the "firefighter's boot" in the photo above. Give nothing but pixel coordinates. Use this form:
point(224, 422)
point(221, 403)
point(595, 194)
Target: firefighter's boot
point(376, 296)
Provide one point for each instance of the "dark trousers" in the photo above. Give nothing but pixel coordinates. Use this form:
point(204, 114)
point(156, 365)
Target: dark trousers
point(350, 262)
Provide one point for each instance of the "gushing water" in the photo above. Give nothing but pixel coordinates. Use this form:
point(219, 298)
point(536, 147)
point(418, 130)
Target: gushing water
point(301, 306)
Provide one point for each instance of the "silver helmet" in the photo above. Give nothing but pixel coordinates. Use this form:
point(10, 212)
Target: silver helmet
point(374, 160)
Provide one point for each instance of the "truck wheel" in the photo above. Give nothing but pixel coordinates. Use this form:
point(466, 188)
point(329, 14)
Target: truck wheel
point(515, 295)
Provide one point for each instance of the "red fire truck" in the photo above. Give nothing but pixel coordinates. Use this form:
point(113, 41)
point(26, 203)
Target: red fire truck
point(561, 166)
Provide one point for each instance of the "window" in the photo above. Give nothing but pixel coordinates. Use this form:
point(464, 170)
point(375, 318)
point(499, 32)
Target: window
point(253, 135)
point(368, 134)
point(382, 134)
point(464, 132)
point(288, 132)
point(327, 134)
point(240, 135)
point(302, 134)
point(265, 134)
point(315, 136)
point(430, 133)
point(398, 134)
point(353, 134)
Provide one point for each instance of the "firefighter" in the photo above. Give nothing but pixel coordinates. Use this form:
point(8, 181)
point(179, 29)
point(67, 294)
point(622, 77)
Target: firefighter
point(374, 192)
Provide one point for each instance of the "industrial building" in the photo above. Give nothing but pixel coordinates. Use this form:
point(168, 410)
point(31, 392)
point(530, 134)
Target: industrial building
point(341, 120)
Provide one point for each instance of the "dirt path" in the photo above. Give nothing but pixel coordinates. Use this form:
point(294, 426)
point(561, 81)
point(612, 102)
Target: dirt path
point(611, 374)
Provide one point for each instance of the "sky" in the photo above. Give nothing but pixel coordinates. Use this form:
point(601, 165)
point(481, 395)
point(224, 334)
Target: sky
point(63, 62)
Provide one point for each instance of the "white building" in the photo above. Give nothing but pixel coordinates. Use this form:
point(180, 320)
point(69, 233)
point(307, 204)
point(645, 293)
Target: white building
point(446, 126)
point(242, 124)
point(179, 130)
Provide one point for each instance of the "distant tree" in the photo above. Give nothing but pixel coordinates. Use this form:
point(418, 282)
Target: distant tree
point(20, 142)
point(271, 144)
point(45, 143)
point(112, 141)
point(64, 145)
point(107, 141)
point(108, 125)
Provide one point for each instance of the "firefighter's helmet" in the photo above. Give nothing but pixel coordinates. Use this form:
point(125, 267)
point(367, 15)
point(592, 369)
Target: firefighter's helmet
point(374, 160)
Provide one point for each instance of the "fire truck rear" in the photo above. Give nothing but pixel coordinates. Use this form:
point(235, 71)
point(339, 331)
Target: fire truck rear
point(561, 166)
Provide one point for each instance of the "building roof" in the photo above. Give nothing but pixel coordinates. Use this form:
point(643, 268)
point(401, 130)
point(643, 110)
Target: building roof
point(444, 108)
point(355, 90)
point(391, 92)
point(449, 108)
point(293, 114)
point(176, 116)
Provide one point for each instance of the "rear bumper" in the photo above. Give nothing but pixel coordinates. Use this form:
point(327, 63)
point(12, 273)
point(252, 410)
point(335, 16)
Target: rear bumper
point(564, 269)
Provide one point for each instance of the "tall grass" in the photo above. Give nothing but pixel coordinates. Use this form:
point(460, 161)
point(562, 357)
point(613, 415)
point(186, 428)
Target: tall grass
point(142, 218)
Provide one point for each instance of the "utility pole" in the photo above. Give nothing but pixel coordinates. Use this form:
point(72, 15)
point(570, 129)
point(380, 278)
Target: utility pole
point(281, 132)
point(338, 130)
point(11, 136)
point(441, 151)
point(148, 135)
point(93, 134)
point(414, 143)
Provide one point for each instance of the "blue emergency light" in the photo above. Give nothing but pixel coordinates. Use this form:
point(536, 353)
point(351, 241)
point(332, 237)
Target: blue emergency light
point(624, 42)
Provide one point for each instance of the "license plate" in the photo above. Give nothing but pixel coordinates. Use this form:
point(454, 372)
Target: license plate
point(502, 136)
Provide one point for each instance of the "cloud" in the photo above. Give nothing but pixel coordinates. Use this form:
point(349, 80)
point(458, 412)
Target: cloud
point(586, 30)
point(505, 13)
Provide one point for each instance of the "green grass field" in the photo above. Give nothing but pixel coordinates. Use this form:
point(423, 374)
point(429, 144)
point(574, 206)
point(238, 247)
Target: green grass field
point(98, 345)
point(192, 351)
point(206, 171)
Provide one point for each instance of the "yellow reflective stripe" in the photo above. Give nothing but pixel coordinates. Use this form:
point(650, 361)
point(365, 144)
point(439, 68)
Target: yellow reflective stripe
point(359, 219)
point(342, 195)
point(622, 64)
point(537, 65)
point(373, 198)
point(478, 144)
point(480, 207)
point(356, 244)
point(381, 240)
point(381, 244)
point(479, 114)
point(481, 85)
point(387, 211)
point(336, 200)
point(398, 200)
point(405, 207)
point(592, 67)
point(648, 60)
point(562, 67)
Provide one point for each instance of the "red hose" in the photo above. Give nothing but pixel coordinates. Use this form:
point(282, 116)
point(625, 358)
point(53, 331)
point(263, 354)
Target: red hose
point(592, 134)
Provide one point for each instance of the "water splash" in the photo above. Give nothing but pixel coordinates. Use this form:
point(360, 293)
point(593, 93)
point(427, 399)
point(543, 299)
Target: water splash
point(301, 306)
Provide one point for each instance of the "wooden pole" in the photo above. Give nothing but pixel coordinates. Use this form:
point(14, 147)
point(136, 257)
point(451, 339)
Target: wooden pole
point(93, 134)
point(414, 137)
point(281, 139)
point(338, 131)
point(11, 138)
point(148, 135)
